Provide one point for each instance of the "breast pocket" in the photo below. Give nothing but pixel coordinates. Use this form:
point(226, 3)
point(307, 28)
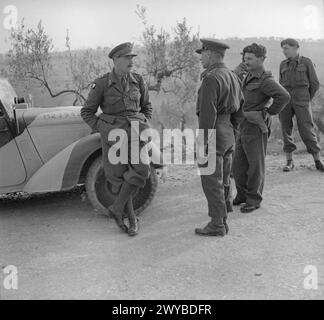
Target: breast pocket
point(301, 75)
point(112, 97)
point(134, 94)
point(284, 76)
point(111, 101)
point(252, 92)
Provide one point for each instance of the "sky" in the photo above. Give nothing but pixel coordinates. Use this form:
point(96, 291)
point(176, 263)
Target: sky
point(106, 23)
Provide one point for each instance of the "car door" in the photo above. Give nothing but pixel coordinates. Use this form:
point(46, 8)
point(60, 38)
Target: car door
point(12, 169)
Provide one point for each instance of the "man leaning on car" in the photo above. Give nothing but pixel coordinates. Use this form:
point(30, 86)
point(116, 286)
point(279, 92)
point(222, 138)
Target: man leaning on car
point(123, 98)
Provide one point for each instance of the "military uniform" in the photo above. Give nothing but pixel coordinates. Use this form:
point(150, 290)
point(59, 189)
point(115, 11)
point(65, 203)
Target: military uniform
point(219, 97)
point(298, 76)
point(249, 160)
point(125, 105)
point(120, 106)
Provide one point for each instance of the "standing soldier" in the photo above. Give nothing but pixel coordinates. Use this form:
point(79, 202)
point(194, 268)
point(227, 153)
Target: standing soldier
point(298, 76)
point(249, 161)
point(124, 100)
point(219, 100)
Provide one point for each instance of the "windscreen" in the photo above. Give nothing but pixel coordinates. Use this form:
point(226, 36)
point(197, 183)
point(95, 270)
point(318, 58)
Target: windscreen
point(7, 96)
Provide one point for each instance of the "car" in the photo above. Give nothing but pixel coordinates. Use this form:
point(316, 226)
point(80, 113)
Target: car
point(51, 149)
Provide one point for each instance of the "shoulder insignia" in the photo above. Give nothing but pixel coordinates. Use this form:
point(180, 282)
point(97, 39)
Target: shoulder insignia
point(306, 60)
point(266, 75)
point(93, 85)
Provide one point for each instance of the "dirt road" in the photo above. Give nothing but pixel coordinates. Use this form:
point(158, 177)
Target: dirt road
point(64, 251)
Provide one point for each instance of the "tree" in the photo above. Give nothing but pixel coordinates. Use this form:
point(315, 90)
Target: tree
point(171, 62)
point(30, 57)
point(166, 57)
point(85, 66)
point(30, 60)
point(186, 68)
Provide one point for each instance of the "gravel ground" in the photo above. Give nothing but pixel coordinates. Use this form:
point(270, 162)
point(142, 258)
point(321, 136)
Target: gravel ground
point(64, 250)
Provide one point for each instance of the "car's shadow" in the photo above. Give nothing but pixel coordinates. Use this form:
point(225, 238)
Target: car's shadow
point(16, 201)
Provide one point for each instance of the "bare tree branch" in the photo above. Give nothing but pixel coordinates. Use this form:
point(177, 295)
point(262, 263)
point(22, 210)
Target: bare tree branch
point(30, 57)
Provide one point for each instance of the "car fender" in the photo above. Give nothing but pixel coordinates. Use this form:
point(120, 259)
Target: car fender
point(63, 171)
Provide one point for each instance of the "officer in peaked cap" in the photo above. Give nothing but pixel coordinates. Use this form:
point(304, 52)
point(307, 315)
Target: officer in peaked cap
point(219, 101)
point(214, 45)
point(123, 98)
point(122, 50)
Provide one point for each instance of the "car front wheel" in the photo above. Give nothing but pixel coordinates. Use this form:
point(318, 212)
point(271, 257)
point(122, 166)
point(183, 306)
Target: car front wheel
point(100, 194)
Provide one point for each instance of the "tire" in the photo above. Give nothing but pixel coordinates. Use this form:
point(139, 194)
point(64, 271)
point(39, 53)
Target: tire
point(99, 190)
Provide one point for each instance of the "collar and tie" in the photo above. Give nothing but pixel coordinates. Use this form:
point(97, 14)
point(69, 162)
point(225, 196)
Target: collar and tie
point(123, 82)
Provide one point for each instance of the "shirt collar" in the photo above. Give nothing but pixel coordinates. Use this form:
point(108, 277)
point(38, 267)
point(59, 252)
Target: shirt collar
point(217, 65)
point(212, 67)
point(257, 73)
point(115, 79)
point(293, 60)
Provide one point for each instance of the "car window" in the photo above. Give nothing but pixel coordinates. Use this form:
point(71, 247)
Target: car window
point(7, 96)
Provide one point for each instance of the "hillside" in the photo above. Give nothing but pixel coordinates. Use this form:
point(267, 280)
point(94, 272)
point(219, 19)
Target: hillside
point(60, 77)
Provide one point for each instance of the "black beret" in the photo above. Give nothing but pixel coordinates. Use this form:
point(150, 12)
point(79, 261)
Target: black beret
point(122, 50)
point(257, 49)
point(291, 42)
point(213, 45)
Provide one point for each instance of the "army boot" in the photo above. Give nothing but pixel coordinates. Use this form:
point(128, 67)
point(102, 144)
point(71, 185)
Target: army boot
point(248, 208)
point(212, 230)
point(290, 166)
point(319, 165)
point(133, 220)
point(238, 201)
point(117, 209)
point(118, 217)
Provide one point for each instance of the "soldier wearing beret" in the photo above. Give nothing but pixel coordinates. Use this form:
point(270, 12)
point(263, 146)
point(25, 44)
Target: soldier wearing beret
point(258, 87)
point(123, 98)
point(218, 106)
point(298, 76)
